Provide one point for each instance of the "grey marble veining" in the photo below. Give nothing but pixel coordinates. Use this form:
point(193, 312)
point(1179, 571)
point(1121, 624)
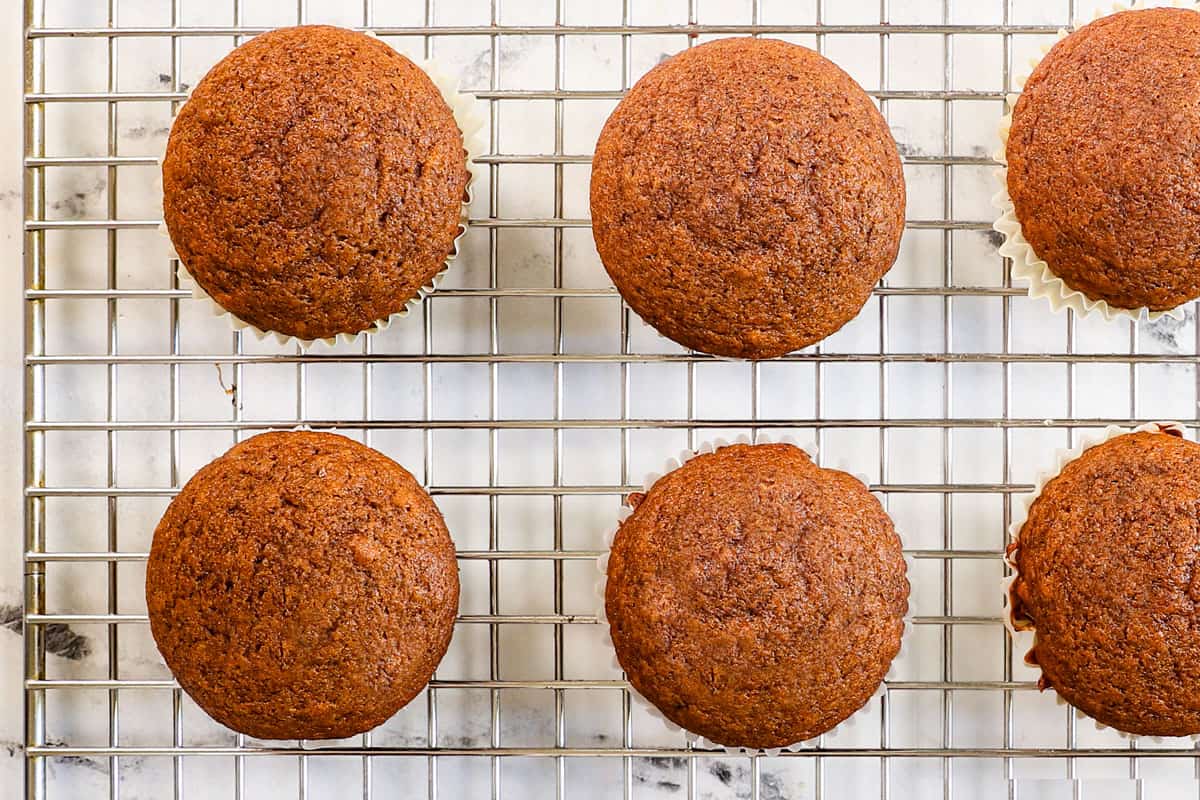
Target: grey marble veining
point(11, 402)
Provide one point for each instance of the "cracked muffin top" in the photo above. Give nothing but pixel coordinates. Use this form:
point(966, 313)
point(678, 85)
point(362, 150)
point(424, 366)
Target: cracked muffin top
point(1102, 165)
point(1108, 576)
point(746, 196)
point(302, 586)
point(313, 182)
point(755, 598)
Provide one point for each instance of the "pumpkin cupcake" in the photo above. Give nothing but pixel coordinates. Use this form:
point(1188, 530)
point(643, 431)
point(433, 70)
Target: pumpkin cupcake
point(754, 598)
point(1102, 189)
point(1105, 575)
point(746, 197)
point(314, 182)
point(302, 586)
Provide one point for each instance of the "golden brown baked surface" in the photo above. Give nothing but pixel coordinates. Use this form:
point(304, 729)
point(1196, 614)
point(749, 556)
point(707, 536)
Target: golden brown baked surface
point(302, 586)
point(1102, 164)
point(1109, 576)
point(746, 197)
point(755, 598)
point(314, 181)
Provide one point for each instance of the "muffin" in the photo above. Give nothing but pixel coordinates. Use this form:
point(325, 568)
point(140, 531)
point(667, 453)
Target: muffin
point(754, 598)
point(302, 586)
point(746, 197)
point(1106, 576)
point(1102, 167)
point(313, 182)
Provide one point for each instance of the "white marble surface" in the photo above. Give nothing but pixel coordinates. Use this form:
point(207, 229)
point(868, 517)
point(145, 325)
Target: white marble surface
point(267, 392)
point(11, 402)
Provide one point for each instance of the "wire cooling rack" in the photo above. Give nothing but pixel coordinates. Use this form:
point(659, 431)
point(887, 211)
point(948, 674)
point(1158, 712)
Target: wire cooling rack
point(529, 400)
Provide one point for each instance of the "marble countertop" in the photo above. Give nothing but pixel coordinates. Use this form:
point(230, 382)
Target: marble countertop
point(915, 324)
point(11, 402)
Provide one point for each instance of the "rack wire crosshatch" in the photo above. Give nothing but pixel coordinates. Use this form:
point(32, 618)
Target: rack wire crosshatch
point(533, 400)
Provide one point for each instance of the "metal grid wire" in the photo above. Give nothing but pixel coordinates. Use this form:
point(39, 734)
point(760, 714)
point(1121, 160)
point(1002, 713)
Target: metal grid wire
point(946, 750)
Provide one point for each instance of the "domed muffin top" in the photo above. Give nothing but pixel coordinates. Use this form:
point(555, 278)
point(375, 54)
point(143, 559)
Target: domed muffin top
point(755, 598)
point(302, 586)
point(746, 196)
point(313, 182)
point(1108, 576)
point(1102, 165)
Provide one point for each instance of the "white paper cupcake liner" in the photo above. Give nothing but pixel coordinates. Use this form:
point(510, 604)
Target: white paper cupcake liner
point(1026, 264)
point(695, 739)
point(1024, 629)
point(471, 120)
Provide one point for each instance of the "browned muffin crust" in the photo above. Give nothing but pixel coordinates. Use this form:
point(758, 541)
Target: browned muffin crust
point(1108, 569)
point(302, 586)
point(1102, 165)
point(746, 196)
point(755, 598)
point(313, 182)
